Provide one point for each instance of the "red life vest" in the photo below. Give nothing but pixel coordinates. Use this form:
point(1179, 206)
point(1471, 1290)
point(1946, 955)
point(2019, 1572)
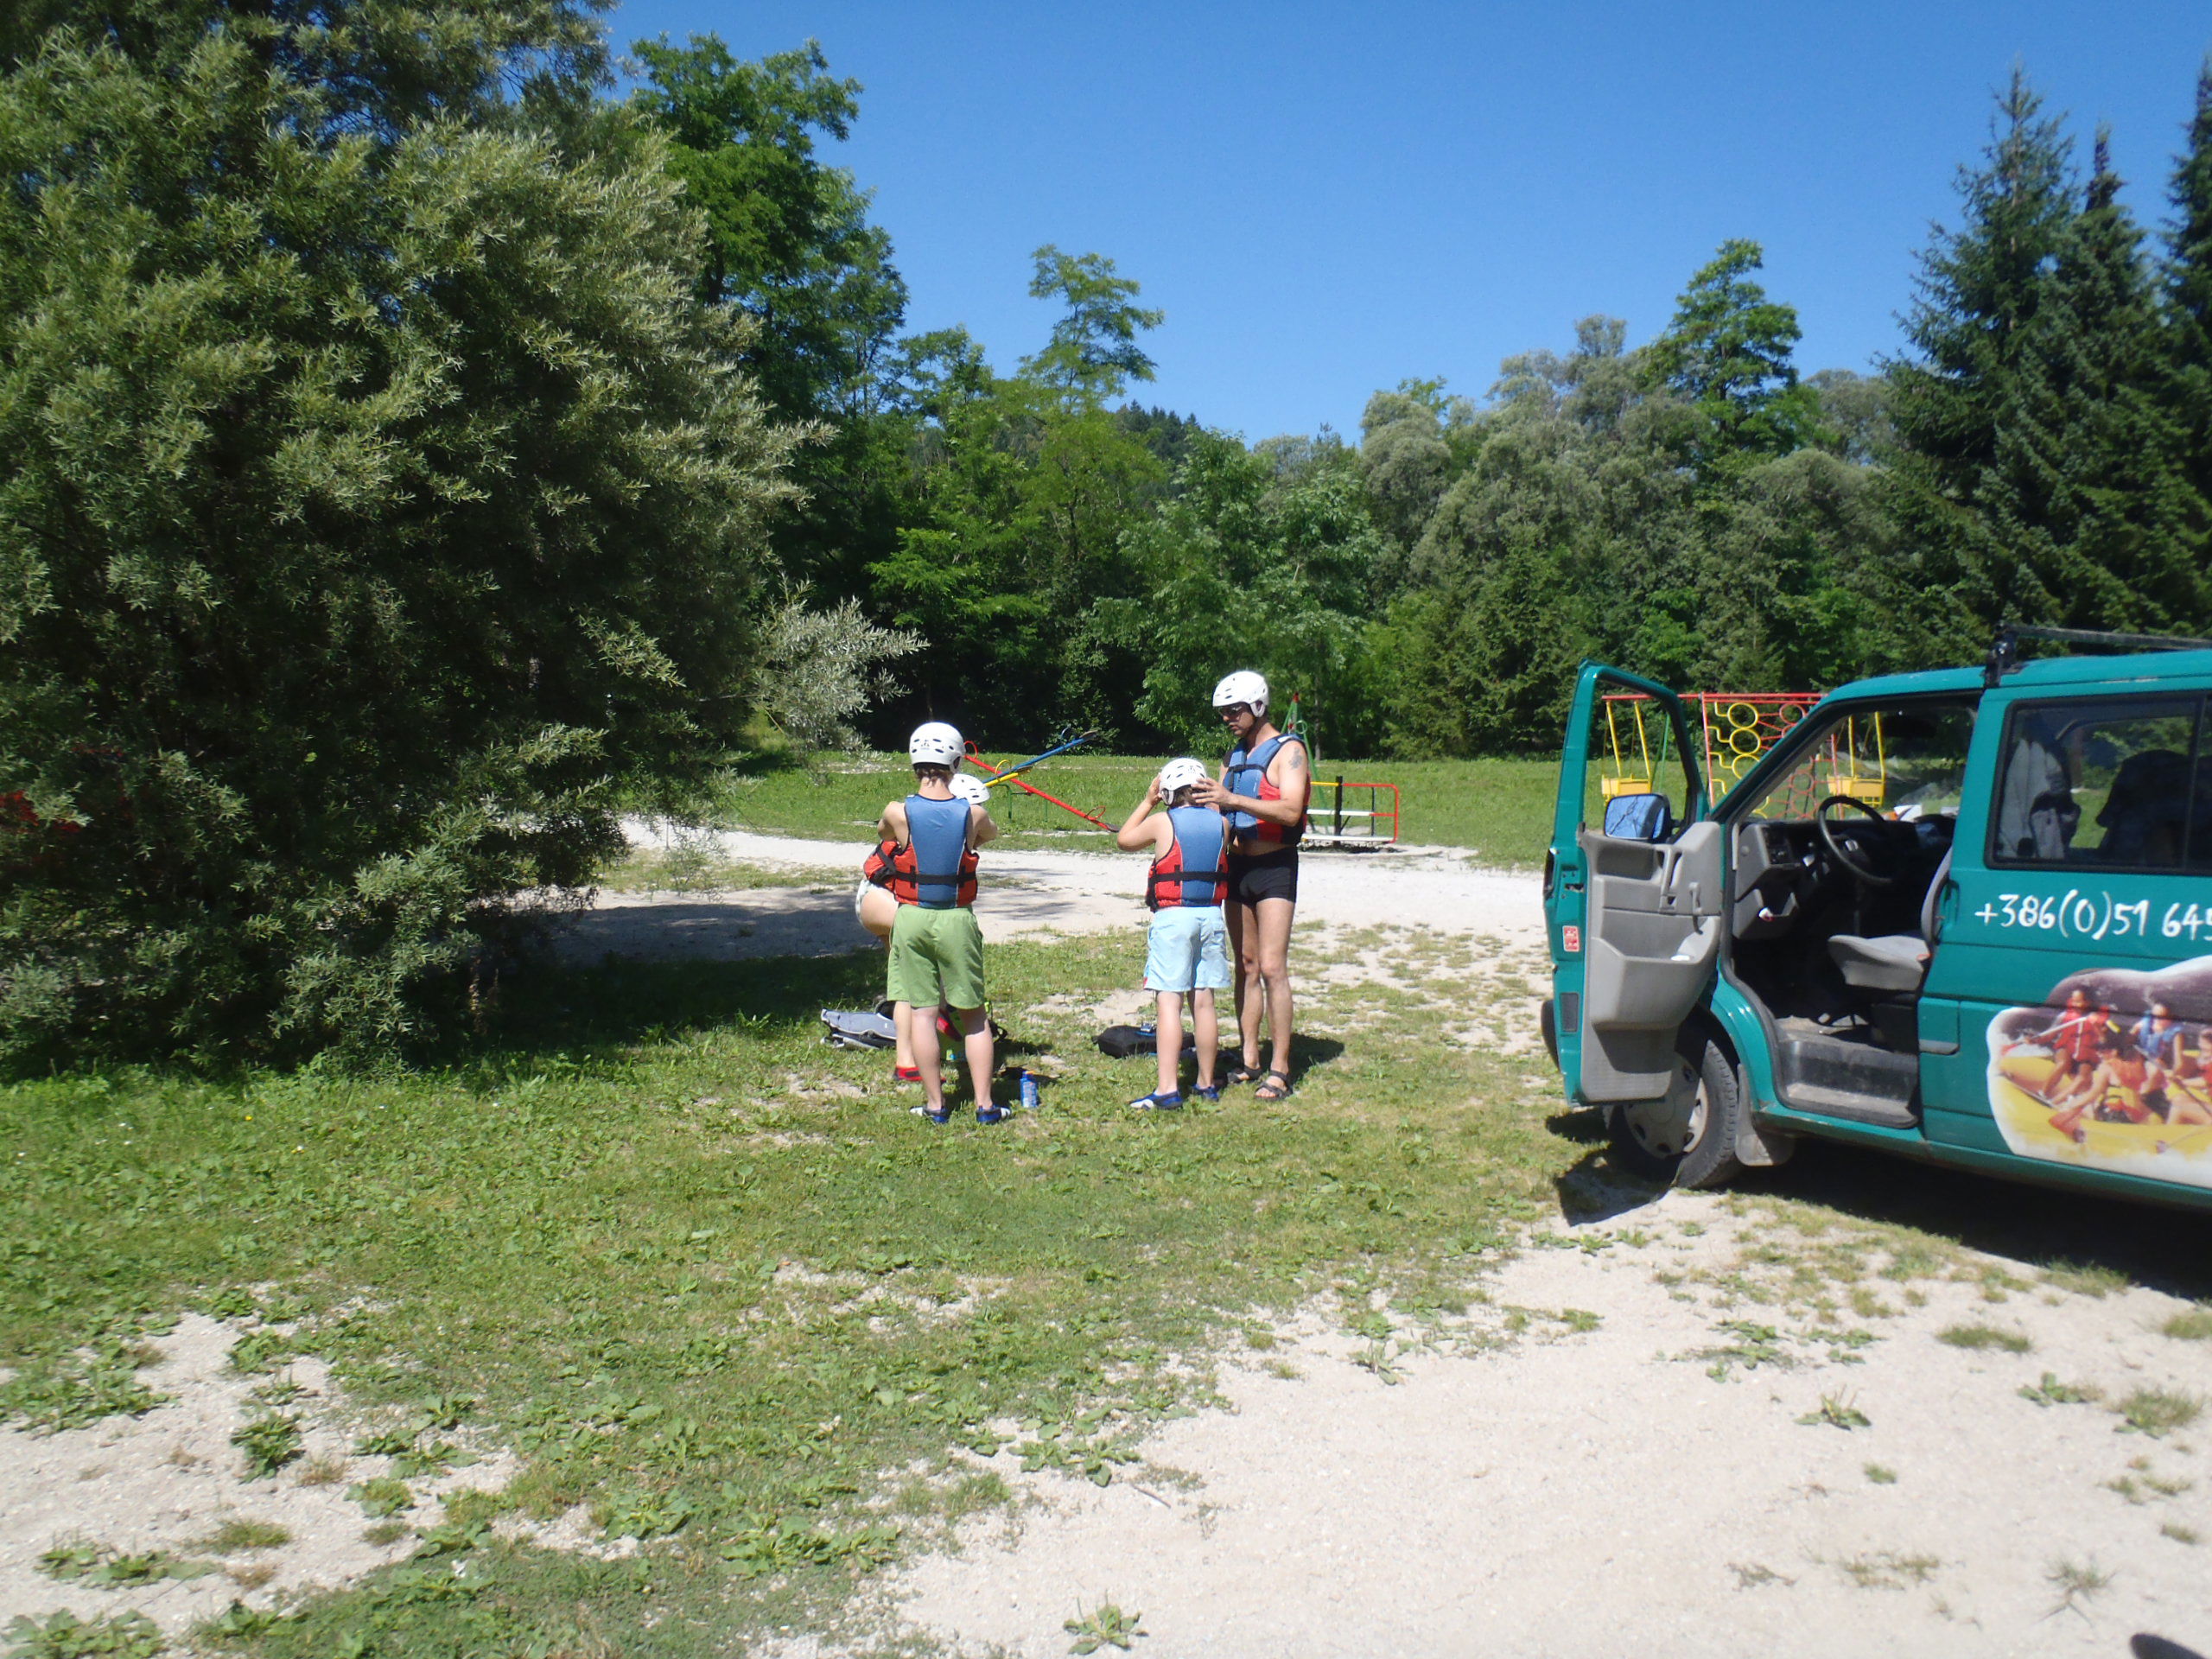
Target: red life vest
point(894, 867)
point(1239, 768)
point(1172, 876)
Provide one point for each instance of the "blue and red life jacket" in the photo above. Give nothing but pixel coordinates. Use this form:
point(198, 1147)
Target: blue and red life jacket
point(1242, 772)
point(1190, 871)
point(936, 866)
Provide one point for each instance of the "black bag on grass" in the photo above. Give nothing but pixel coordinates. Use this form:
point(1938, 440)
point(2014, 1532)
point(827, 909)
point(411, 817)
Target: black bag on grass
point(847, 1028)
point(1119, 1042)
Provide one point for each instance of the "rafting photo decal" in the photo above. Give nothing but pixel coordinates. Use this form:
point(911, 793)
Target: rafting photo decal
point(2113, 1073)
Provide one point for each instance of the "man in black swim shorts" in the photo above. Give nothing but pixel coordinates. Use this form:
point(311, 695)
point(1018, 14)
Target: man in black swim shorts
point(1264, 789)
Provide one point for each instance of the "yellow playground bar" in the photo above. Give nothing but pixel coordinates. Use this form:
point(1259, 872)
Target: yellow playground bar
point(1735, 729)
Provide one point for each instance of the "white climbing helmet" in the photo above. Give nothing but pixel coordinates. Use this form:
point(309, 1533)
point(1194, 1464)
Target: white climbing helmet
point(972, 790)
point(1243, 686)
point(934, 745)
point(1181, 773)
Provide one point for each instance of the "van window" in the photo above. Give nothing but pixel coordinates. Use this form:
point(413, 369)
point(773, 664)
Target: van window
point(2108, 782)
point(1905, 758)
point(1634, 751)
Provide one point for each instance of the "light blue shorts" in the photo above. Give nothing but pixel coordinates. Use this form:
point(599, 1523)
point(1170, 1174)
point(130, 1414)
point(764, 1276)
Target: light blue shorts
point(1187, 950)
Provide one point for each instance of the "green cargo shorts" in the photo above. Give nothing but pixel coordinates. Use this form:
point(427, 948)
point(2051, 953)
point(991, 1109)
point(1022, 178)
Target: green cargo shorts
point(936, 956)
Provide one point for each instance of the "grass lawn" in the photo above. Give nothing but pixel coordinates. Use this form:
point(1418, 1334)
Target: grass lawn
point(710, 1278)
point(1500, 810)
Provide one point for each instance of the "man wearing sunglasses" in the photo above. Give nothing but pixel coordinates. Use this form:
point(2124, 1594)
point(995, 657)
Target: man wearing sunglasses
point(1264, 789)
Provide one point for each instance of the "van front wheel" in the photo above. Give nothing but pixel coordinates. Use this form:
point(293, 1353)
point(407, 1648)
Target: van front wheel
point(1688, 1139)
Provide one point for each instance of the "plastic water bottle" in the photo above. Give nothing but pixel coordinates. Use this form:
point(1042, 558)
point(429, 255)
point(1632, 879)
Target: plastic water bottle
point(1028, 1091)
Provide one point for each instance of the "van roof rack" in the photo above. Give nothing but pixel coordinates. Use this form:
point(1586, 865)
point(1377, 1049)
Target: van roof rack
point(2005, 653)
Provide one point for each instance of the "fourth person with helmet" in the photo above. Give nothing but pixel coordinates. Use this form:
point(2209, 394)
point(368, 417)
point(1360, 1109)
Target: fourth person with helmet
point(1263, 790)
point(926, 856)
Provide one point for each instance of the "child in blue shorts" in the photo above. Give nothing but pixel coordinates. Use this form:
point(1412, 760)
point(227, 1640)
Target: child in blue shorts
point(1186, 953)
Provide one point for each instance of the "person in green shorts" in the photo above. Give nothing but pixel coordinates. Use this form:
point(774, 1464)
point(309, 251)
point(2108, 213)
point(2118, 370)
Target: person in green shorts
point(936, 949)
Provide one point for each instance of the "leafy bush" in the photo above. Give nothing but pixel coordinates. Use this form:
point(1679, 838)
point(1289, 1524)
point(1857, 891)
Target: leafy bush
point(379, 497)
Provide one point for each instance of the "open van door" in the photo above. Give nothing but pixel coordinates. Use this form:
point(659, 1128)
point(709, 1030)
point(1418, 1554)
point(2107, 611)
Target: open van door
point(1634, 889)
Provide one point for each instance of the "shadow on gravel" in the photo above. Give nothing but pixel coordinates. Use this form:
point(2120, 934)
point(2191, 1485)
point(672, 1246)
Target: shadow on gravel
point(1594, 1190)
point(2168, 1249)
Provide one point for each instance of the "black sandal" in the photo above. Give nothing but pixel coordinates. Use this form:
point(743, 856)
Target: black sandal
point(1241, 1073)
point(1273, 1086)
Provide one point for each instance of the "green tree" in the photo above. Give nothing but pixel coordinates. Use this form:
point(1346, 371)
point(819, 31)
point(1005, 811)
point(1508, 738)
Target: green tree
point(2187, 306)
point(1250, 567)
point(1024, 486)
point(789, 245)
point(1727, 354)
point(380, 499)
point(2084, 493)
point(2038, 479)
point(1093, 353)
point(1984, 291)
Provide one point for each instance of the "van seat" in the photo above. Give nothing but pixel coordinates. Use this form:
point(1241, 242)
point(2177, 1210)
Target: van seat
point(1892, 962)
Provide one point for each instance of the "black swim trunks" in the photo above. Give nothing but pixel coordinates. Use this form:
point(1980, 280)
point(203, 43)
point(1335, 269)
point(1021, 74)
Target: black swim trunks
point(1254, 876)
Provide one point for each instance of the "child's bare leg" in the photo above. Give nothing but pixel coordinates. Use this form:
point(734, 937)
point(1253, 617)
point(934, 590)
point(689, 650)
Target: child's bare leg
point(928, 1059)
point(1209, 1032)
point(976, 1038)
point(1168, 1034)
point(902, 1021)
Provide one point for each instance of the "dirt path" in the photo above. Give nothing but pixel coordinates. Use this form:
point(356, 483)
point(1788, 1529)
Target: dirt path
point(1023, 893)
point(1578, 1469)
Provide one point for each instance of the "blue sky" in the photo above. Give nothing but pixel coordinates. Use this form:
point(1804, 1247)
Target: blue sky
point(1328, 199)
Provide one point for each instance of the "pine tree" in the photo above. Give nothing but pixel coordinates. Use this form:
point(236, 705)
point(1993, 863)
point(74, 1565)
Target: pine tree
point(2187, 299)
point(2082, 492)
point(1727, 354)
point(1985, 292)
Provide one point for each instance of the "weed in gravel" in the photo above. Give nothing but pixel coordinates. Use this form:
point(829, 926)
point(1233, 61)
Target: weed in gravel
point(384, 1532)
point(269, 1443)
point(2157, 1412)
point(1103, 1626)
point(2076, 1582)
point(382, 1496)
point(1980, 1338)
point(1885, 1569)
point(258, 1351)
point(2191, 1325)
point(252, 1576)
point(1837, 1411)
point(64, 1636)
point(1881, 1474)
point(282, 1391)
point(2049, 1391)
point(239, 1532)
point(2085, 1280)
point(75, 1392)
point(2178, 1533)
point(80, 1561)
point(1377, 1357)
point(324, 1469)
point(1753, 1576)
point(1751, 1346)
point(646, 1514)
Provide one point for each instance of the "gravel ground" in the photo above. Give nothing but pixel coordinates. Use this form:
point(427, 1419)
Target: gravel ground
point(1022, 894)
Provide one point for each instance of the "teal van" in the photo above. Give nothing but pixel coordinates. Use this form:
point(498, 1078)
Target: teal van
point(1965, 916)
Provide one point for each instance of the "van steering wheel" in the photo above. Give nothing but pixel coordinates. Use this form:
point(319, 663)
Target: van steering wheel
point(1837, 846)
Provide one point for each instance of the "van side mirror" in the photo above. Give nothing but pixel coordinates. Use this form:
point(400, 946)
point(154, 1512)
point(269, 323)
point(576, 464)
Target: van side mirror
point(1639, 817)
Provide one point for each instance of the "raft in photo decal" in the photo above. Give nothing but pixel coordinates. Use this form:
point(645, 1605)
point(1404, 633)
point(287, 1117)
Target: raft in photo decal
point(2113, 1073)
